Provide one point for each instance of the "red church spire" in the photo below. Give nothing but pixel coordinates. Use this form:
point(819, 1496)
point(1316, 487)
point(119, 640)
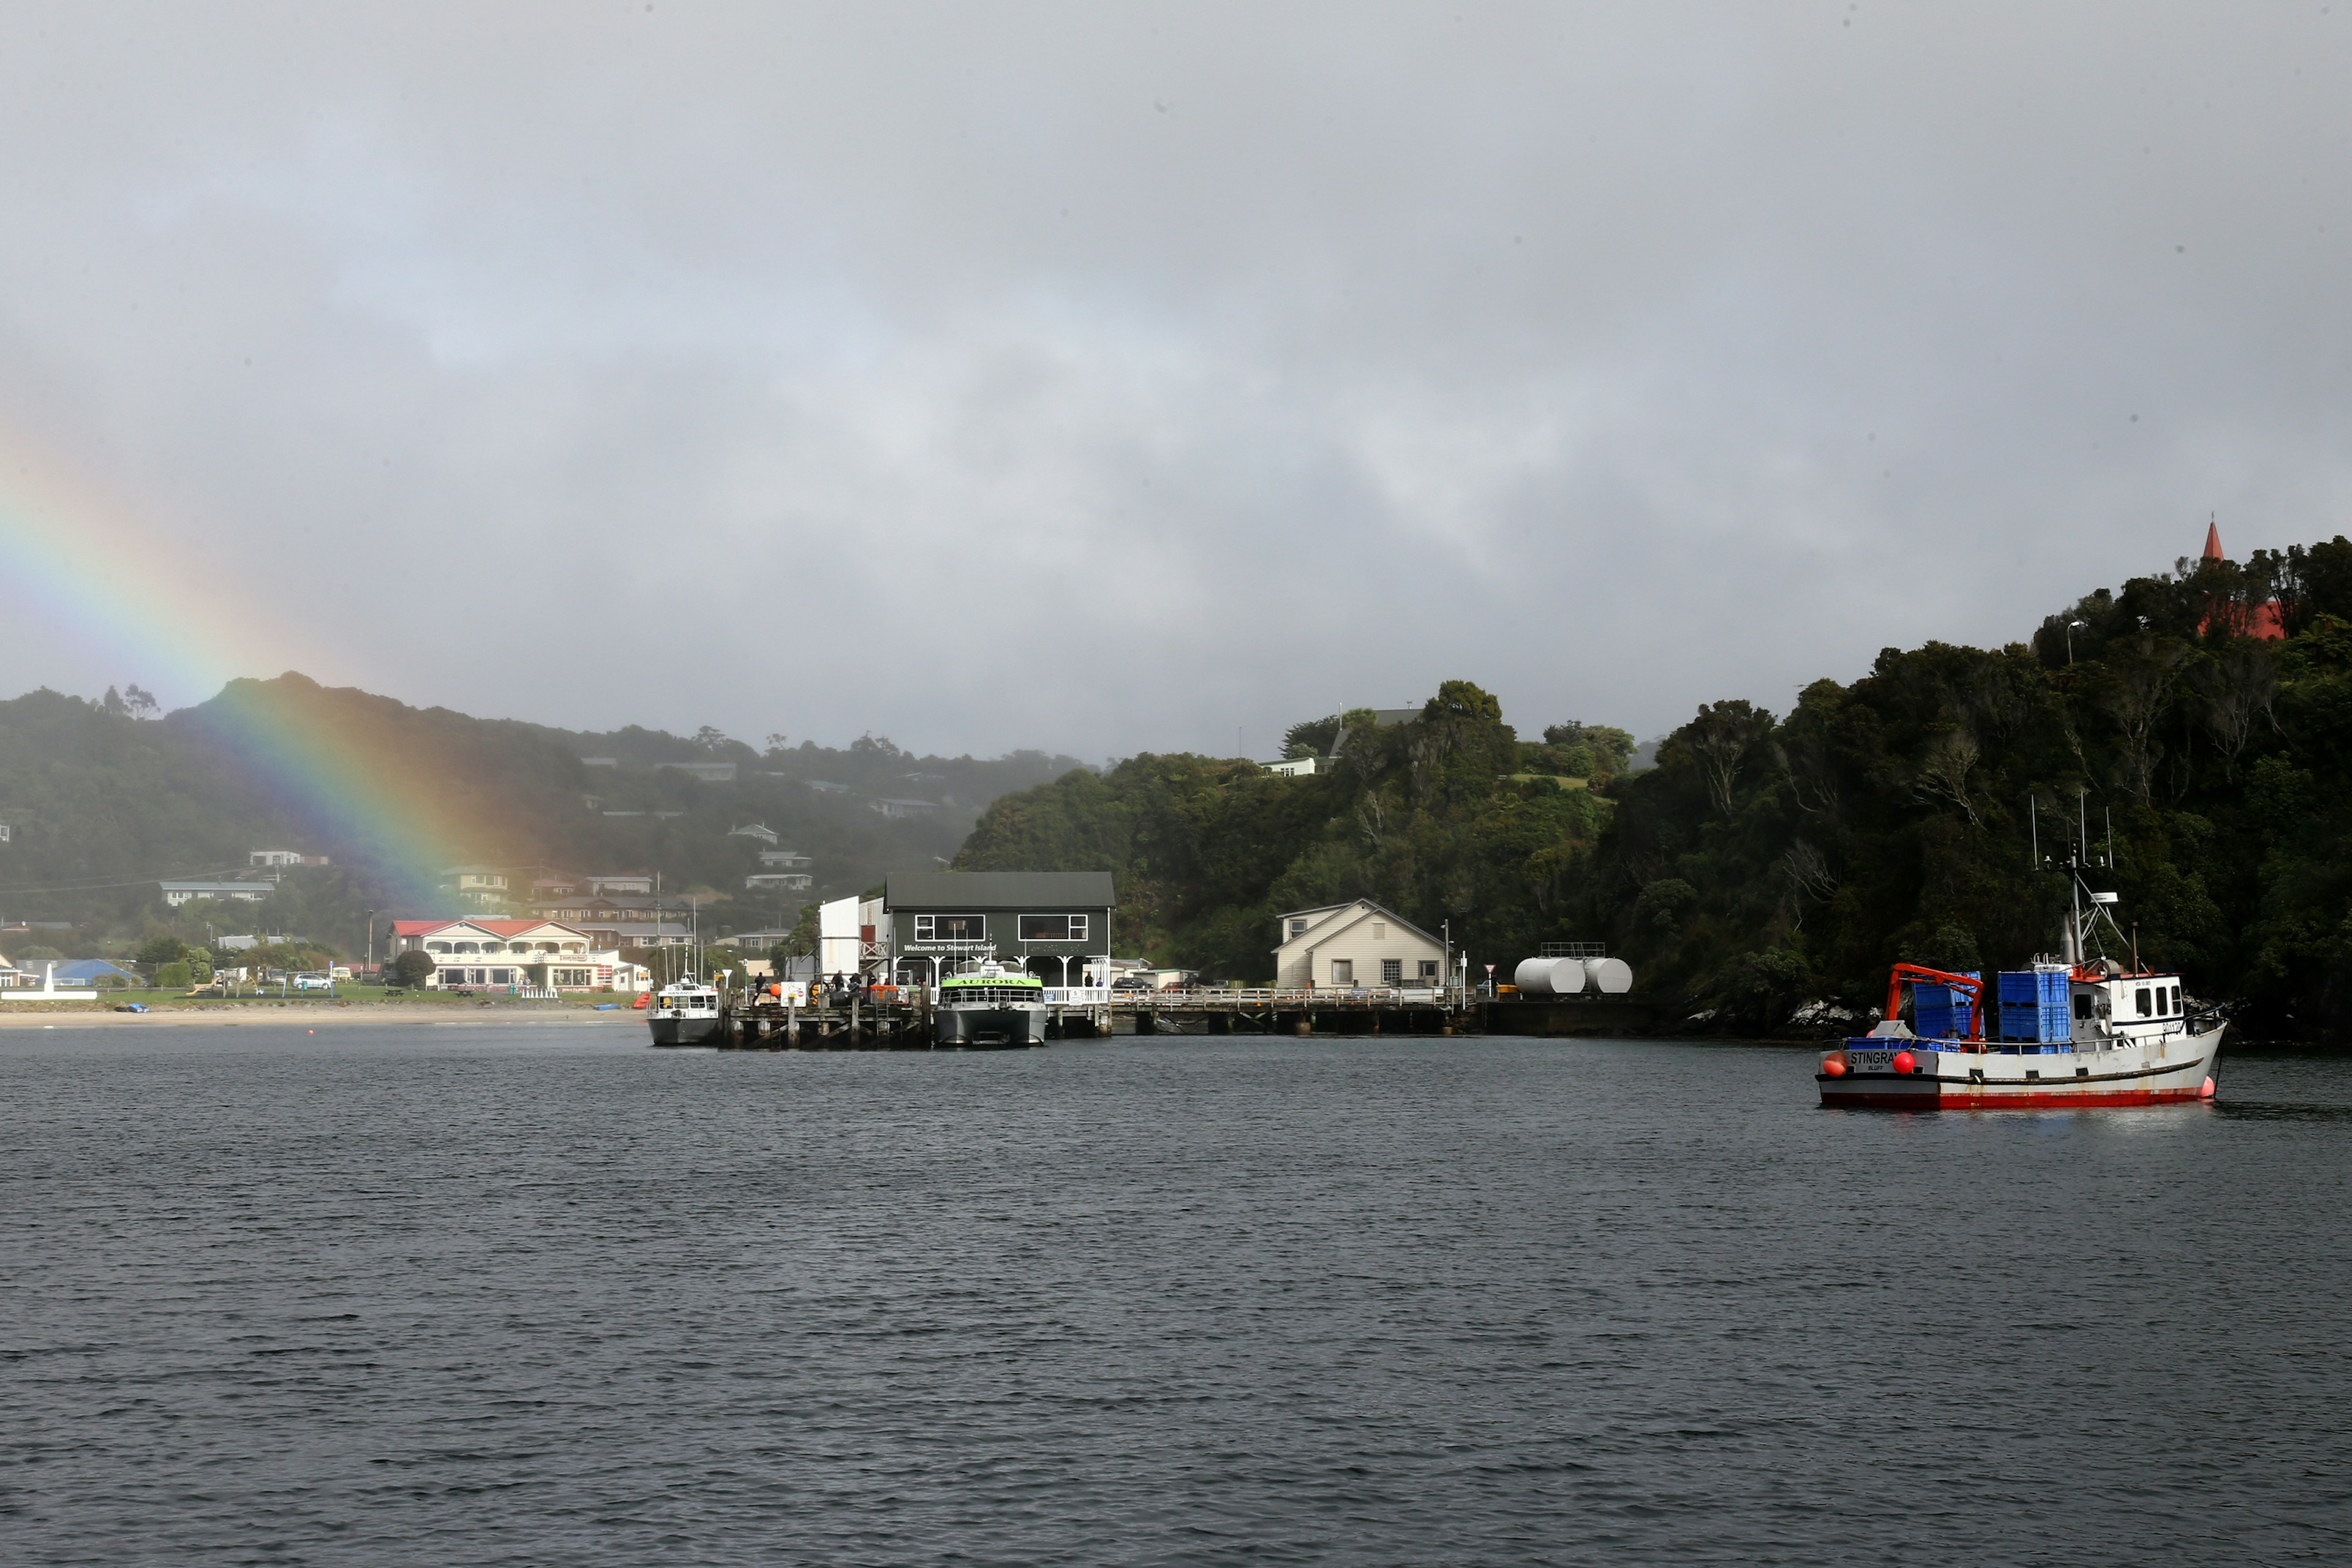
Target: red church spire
point(2213, 542)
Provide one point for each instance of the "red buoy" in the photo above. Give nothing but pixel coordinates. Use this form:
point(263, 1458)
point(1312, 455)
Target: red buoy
point(1833, 1065)
point(1904, 1062)
point(2206, 1092)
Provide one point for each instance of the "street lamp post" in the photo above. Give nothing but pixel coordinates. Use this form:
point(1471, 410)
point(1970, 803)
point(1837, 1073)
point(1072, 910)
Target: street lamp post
point(370, 940)
point(2071, 628)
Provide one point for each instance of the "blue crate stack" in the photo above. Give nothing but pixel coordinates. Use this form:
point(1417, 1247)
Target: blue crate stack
point(1940, 1012)
point(2036, 1007)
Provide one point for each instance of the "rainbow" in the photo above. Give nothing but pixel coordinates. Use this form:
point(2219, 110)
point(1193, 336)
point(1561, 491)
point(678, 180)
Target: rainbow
point(132, 596)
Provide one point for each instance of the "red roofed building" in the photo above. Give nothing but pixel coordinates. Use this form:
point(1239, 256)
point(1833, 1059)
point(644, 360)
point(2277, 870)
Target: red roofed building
point(534, 955)
point(2263, 621)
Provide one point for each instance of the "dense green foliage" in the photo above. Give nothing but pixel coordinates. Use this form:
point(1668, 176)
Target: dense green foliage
point(1426, 816)
point(410, 969)
point(103, 803)
point(1766, 860)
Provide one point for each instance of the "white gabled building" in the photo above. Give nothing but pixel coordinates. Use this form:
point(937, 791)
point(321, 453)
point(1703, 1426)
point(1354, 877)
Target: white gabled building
point(537, 954)
point(1355, 945)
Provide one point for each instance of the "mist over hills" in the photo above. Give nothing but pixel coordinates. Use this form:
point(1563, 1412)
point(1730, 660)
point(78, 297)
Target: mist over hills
point(101, 805)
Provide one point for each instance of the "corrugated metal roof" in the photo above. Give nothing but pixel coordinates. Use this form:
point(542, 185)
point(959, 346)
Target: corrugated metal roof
point(955, 890)
point(82, 969)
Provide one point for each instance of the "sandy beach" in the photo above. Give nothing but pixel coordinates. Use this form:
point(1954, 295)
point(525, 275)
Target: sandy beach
point(307, 1015)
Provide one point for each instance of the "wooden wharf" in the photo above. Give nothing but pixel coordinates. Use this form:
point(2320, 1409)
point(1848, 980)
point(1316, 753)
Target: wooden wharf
point(905, 1023)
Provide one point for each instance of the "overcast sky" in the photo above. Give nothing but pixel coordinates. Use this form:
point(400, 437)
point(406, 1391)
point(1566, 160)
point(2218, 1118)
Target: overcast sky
point(1115, 377)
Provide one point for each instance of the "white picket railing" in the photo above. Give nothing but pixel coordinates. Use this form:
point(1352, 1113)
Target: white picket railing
point(1241, 996)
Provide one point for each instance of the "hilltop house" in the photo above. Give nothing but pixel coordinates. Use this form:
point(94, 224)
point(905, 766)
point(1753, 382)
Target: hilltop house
point(178, 893)
point(1355, 944)
point(2264, 622)
point(759, 830)
point(709, 772)
point(274, 858)
point(622, 920)
point(476, 884)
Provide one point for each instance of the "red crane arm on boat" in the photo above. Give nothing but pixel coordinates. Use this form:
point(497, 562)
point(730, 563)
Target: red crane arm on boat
point(1975, 988)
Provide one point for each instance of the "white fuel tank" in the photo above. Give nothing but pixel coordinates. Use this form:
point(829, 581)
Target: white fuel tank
point(1611, 976)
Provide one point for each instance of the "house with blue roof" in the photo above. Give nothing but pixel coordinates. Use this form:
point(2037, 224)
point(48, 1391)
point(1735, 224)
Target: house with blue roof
point(95, 972)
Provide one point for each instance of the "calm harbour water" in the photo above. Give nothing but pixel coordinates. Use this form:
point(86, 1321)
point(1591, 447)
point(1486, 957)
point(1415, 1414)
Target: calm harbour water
point(544, 1296)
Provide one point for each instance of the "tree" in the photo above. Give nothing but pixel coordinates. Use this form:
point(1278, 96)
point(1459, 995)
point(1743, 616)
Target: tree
point(1943, 775)
point(2140, 691)
point(410, 968)
point(1312, 737)
point(2236, 689)
point(1720, 740)
point(142, 704)
point(158, 950)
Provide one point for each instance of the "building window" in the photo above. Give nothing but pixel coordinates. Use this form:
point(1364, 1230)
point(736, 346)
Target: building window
point(950, 928)
point(1051, 928)
point(1380, 930)
point(501, 976)
point(1299, 928)
point(1392, 970)
point(436, 947)
point(1429, 969)
point(1343, 972)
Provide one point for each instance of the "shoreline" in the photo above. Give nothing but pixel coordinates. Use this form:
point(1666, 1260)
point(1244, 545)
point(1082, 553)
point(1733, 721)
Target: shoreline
point(307, 1015)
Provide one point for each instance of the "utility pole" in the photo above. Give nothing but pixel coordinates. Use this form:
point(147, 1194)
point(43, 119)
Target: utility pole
point(371, 939)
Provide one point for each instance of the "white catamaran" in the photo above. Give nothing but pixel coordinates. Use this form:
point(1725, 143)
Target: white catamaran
point(989, 1006)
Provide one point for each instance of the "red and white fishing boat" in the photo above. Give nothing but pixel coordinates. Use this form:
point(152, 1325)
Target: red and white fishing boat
point(2078, 1031)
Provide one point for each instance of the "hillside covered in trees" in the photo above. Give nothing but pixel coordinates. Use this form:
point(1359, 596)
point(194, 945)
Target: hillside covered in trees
point(1772, 860)
point(1448, 816)
point(101, 801)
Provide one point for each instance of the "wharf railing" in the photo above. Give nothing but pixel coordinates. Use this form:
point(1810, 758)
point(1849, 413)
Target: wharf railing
point(1255, 997)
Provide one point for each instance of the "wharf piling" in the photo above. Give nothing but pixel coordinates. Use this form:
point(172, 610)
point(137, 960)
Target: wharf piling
point(904, 1022)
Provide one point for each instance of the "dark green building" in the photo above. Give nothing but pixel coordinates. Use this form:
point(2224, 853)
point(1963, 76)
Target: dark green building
point(1049, 922)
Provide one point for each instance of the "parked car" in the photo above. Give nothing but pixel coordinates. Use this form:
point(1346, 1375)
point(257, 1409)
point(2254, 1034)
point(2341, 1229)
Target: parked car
point(313, 982)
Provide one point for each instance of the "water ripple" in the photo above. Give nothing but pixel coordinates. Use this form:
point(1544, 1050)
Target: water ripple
point(481, 1297)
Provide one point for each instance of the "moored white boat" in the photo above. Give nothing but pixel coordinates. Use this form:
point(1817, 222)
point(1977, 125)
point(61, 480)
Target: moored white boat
point(2077, 1032)
point(990, 1006)
point(686, 1014)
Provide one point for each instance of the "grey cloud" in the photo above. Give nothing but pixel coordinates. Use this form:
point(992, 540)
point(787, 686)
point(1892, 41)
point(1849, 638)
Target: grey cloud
point(788, 367)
